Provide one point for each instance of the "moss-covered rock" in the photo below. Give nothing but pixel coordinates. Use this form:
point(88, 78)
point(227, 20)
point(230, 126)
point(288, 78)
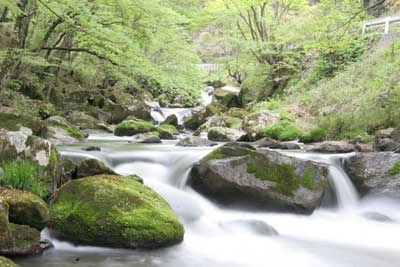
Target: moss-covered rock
point(223, 134)
point(167, 131)
point(132, 126)
point(92, 167)
point(171, 120)
point(25, 208)
point(4, 262)
point(114, 211)
point(237, 173)
point(17, 240)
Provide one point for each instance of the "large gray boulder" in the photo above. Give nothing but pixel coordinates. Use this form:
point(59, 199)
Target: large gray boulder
point(386, 140)
point(238, 174)
point(375, 173)
point(255, 122)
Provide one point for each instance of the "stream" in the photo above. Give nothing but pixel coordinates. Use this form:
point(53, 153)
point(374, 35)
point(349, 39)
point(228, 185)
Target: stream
point(218, 236)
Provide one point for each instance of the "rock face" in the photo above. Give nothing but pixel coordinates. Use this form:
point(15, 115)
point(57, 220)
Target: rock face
point(333, 147)
point(199, 116)
point(12, 122)
point(4, 262)
point(375, 173)
point(114, 211)
point(25, 208)
point(91, 167)
point(239, 174)
point(194, 141)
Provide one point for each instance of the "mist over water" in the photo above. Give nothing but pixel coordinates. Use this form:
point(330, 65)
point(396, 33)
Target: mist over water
point(219, 236)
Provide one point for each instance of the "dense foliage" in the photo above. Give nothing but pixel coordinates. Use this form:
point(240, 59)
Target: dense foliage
point(142, 43)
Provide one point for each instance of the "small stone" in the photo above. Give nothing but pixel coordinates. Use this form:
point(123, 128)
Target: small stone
point(92, 148)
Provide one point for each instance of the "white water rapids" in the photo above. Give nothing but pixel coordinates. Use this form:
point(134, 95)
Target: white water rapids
point(222, 237)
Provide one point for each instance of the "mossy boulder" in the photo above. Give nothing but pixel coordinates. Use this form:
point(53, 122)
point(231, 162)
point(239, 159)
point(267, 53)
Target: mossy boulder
point(17, 240)
point(84, 121)
point(375, 173)
point(239, 174)
point(167, 131)
point(25, 208)
point(92, 167)
point(114, 211)
point(132, 126)
point(171, 120)
point(4, 262)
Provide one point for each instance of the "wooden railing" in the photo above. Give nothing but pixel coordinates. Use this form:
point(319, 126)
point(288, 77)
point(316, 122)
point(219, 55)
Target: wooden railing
point(387, 21)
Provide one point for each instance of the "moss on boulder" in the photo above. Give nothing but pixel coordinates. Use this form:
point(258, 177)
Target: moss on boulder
point(17, 240)
point(25, 208)
point(167, 131)
point(132, 126)
point(240, 174)
point(114, 211)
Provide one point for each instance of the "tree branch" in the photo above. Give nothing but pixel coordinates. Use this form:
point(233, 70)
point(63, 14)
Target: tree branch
point(82, 50)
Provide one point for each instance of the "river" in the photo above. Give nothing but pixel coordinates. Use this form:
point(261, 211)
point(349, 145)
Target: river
point(222, 237)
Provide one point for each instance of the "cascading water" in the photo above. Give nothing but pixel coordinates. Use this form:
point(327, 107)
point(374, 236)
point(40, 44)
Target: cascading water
point(216, 236)
point(159, 114)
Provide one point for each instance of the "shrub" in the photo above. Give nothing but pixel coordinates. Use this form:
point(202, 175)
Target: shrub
point(284, 131)
point(313, 135)
point(25, 175)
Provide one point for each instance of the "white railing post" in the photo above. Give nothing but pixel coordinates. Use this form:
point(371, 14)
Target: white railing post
point(387, 26)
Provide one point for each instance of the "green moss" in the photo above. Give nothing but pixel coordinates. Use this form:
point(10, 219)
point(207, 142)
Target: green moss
point(4, 262)
point(114, 211)
point(132, 126)
point(230, 150)
point(395, 169)
point(231, 122)
point(287, 181)
point(313, 135)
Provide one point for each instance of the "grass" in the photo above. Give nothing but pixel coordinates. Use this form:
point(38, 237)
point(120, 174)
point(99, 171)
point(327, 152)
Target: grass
point(25, 175)
point(395, 169)
point(284, 131)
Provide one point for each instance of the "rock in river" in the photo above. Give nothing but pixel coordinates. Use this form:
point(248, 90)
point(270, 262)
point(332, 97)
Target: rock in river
point(114, 211)
point(237, 173)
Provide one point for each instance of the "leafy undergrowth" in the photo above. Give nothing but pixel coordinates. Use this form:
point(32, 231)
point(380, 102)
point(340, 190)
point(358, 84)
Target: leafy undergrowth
point(25, 175)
